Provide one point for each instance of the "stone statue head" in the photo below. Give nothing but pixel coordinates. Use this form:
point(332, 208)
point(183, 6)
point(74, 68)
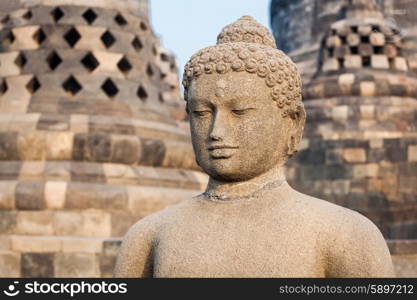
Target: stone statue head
point(244, 100)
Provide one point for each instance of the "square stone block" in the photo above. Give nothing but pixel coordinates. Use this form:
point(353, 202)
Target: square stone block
point(125, 149)
point(121, 222)
point(354, 155)
point(7, 192)
point(37, 265)
point(32, 145)
point(5, 243)
point(8, 220)
point(10, 264)
point(59, 145)
point(79, 123)
point(365, 170)
point(17, 97)
point(367, 111)
point(107, 264)
point(333, 41)
point(405, 265)
point(376, 143)
point(153, 152)
point(345, 82)
point(90, 37)
point(367, 88)
point(331, 64)
point(53, 122)
point(111, 247)
point(35, 222)
point(87, 196)
point(31, 170)
point(76, 265)
point(96, 224)
point(107, 62)
point(29, 196)
point(8, 67)
point(340, 112)
point(412, 153)
point(340, 187)
point(379, 62)
point(24, 122)
point(377, 39)
point(55, 194)
point(68, 223)
point(24, 37)
point(412, 61)
point(58, 170)
point(8, 146)
point(400, 63)
point(353, 61)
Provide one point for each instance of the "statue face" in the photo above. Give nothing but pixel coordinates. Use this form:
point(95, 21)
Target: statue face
point(237, 130)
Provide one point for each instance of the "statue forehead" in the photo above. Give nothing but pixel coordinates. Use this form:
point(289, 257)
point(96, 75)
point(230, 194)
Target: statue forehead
point(220, 88)
point(230, 81)
point(243, 84)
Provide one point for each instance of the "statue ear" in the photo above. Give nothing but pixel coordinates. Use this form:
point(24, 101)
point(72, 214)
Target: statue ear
point(298, 118)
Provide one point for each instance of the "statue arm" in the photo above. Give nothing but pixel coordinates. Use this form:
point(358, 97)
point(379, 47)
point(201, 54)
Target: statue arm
point(359, 250)
point(135, 258)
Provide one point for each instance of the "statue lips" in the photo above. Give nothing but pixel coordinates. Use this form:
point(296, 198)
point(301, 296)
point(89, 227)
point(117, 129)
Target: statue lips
point(221, 151)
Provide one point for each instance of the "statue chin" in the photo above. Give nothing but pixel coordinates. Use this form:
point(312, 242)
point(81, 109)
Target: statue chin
point(222, 170)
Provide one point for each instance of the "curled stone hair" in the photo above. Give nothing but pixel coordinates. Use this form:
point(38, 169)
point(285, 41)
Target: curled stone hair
point(247, 46)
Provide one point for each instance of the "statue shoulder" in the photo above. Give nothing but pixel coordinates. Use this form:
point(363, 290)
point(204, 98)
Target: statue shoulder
point(321, 210)
point(357, 249)
point(134, 258)
point(351, 244)
point(152, 223)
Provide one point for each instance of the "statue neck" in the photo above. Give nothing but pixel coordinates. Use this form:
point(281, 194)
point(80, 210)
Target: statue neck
point(232, 191)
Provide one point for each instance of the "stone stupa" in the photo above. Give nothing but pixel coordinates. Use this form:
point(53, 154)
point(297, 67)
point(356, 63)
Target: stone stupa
point(89, 141)
point(360, 140)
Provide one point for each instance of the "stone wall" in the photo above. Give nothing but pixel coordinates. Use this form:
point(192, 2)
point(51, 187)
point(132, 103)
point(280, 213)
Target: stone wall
point(300, 25)
point(360, 94)
point(89, 135)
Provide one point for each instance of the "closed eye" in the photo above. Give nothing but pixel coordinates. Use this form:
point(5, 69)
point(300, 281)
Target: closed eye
point(201, 113)
point(241, 112)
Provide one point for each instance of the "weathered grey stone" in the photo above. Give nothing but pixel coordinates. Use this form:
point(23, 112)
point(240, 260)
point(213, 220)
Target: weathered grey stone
point(84, 196)
point(107, 264)
point(8, 146)
point(153, 152)
point(76, 265)
point(10, 264)
point(7, 221)
point(121, 222)
point(7, 195)
point(30, 196)
point(125, 149)
point(242, 146)
point(37, 265)
point(34, 223)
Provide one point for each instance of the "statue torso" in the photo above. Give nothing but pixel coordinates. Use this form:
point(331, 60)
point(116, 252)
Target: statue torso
point(250, 238)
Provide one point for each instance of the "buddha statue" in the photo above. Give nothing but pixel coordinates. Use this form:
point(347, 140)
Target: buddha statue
point(246, 117)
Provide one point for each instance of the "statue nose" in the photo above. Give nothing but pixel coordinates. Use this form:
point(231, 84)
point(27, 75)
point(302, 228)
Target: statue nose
point(219, 127)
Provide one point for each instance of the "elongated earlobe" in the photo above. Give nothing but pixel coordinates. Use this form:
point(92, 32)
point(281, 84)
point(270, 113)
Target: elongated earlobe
point(296, 131)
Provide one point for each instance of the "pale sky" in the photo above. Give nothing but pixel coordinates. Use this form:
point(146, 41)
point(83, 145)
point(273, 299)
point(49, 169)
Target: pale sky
point(186, 26)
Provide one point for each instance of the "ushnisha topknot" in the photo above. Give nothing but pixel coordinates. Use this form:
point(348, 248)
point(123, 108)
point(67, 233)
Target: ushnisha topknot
point(246, 45)
point(247, 30)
